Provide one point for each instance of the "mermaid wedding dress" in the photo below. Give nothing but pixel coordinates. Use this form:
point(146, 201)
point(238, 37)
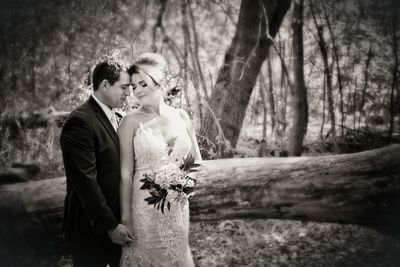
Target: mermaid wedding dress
point(161, 239)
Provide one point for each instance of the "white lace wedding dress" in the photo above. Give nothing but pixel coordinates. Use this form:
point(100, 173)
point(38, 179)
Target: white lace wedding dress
point(161, 239)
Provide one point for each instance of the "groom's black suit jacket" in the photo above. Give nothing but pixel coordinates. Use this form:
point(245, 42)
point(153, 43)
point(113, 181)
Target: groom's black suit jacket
point(90, 149)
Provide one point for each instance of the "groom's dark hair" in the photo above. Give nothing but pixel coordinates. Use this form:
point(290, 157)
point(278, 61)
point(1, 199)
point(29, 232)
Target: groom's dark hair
point(133, 69)
point(106, 70)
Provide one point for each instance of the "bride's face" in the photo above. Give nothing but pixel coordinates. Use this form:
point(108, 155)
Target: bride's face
point(144, 89)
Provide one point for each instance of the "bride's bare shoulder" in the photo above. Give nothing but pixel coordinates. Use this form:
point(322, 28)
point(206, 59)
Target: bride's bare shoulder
point(135, 115)
point(184, 115)
point(131, 121)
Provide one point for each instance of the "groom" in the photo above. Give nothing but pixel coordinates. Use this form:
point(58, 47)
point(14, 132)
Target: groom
point(90, 150)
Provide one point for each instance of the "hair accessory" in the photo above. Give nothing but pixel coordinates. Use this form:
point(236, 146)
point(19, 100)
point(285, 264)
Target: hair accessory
point(153, 65)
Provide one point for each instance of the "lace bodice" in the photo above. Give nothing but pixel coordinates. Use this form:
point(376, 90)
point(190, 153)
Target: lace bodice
point(161, 239)
point(153, 151)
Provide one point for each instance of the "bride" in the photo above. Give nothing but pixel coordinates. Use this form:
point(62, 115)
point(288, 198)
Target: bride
point(153, 135)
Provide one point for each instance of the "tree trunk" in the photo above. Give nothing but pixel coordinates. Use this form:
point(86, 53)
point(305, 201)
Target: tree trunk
point(271, 97)
point(173, 47)
point(336, 58)
point(355, 101)
point(361, 188)
point(242, 63)
point(32, 71)
point(159, 23)
point(328, 76)
point(321, 131)
point(394, 72)
point(189, 51)
point(284, 89)
point(262, 86)
point(299, 104)
point(364, 91)
point(283, 94)
point(186, 44)
point(195, 52)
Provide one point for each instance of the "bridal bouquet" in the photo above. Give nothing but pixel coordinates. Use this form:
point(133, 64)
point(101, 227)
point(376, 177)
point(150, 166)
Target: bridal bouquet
point(170, 183)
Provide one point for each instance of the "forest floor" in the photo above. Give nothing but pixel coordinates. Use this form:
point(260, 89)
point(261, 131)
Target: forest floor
point(290, 243)
point(279, 243)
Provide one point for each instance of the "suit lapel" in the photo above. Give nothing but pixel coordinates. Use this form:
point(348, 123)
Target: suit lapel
point(104, 120)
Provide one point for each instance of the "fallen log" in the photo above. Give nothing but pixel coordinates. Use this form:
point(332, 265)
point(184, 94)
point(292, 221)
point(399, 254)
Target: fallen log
point(18, 172)
point(361, 188)
point(33, 120)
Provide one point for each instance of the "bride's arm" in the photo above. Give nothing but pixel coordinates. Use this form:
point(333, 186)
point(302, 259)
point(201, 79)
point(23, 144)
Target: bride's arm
point(192, 133)
point(126, 133)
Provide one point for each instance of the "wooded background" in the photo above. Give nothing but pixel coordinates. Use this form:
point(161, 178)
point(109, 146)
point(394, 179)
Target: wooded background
point(271, 73)
point(259, 78)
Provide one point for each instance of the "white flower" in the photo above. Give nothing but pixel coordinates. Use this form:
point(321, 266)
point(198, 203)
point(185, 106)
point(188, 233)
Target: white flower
point(173, 179)
point(190, 183)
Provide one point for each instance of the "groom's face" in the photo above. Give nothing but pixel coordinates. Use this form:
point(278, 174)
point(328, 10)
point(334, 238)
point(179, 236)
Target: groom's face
point(117, 93)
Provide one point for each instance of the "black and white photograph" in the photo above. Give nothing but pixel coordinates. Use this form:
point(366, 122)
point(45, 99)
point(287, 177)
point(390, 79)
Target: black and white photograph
point(182, 133)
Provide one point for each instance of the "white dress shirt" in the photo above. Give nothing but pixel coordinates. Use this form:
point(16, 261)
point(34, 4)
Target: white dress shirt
point(109, 112)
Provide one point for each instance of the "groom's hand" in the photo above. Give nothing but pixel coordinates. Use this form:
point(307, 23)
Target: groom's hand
point(121, 235)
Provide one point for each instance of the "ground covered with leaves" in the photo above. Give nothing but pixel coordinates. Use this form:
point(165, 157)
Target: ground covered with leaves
point(290, 243)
